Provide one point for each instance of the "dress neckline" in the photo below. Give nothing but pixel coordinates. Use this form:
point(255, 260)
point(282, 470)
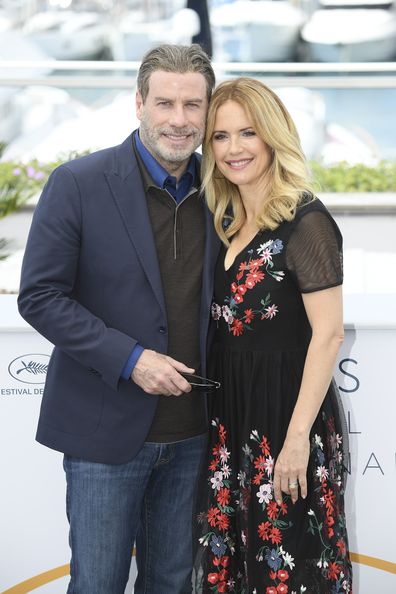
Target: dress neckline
point(239, 253)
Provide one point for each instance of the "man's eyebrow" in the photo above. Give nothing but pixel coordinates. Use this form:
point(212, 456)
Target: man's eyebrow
point(190, 100)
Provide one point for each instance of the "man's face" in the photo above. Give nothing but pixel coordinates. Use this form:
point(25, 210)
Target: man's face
point(172, 119)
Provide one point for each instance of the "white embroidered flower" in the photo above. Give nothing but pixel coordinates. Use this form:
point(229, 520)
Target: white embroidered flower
point(269, 465)
point(241, 478)
point(226, 470)
point(231, 583)
point(216, 311)
point(311, 512)
point(246, 450)
point(227, 315)
point(288, 560)
point(217, 480)
point(264, 246)
point(243, 537)
point(271, 311)
point(278, 275)
point(322, 473)
point(264, 493)
point(318, 441)
point(254, 434)
point(303, 589)
point(335, 441)
point(224, 454)
point(346, 586)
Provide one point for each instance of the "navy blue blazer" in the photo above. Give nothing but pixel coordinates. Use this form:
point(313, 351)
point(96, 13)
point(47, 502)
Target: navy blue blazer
point(91, 285)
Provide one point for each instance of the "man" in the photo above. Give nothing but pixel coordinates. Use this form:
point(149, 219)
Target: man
point(118, 276)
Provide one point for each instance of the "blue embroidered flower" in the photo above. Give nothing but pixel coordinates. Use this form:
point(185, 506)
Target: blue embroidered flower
point(273, 559)
point(217, 545)
point(277, 246)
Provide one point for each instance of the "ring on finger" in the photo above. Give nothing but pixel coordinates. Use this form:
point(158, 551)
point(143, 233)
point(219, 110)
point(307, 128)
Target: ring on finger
point(293, 485)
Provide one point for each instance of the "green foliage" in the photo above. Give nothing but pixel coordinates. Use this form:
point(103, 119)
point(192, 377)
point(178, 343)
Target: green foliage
point(19, 182)
point(343, 177)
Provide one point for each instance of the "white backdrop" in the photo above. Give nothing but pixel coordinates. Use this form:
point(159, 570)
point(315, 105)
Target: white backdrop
point(34, 531)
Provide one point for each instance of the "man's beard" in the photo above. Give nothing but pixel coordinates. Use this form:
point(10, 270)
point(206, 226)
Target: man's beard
point(154, 141)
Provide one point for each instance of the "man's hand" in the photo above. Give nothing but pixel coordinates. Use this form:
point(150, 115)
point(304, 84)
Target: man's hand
point(158, 374)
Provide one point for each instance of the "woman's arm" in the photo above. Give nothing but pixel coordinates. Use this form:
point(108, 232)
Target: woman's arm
point(324, 311)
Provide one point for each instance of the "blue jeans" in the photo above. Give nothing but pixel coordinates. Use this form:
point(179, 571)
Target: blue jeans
point(148, 501)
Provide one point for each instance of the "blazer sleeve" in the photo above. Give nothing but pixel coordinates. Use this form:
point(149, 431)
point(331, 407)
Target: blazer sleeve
point(47, 291)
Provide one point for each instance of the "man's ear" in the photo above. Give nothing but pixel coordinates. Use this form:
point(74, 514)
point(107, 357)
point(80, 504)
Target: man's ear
point(139, 104)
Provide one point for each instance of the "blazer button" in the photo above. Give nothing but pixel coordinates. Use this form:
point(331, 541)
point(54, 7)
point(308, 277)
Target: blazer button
point(162, 330)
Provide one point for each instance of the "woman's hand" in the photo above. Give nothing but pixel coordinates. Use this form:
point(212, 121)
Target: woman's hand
point(291, 468)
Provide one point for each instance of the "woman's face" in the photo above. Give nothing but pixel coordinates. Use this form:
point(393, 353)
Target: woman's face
point(241, 156)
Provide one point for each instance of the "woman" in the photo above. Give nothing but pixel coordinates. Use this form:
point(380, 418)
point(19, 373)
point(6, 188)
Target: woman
point(274, 516)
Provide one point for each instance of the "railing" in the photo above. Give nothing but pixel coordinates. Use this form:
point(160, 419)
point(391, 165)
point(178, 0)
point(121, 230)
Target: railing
point(310, 75)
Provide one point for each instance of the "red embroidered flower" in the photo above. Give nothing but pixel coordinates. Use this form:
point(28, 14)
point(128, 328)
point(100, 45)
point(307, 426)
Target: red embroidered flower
point(234, 287)
point(333, 571)
point(255, 277)
point(238, 298)
point(272, 575)
point(237, 327)
point(225, 561)
point(242, 289)
point(275, 535)
point(249, 315)
point(263, 530)
point(283, 575)
point(213, 464)
point(222, 433)
point(216, 561)
point(213, 578)
point(257, 478)
point(259, 463)
point(264, 445)
point(239, 276)
point(223, 575)
point(243, 266)
point(283, 507)
point(282, 589)
point(270, 590)
point(255, 264)
point(341, 546)
point(272, 510)
point(249, 283)
point(223, 496)
point(222, 587)
point(212, 515)
point(223, 522)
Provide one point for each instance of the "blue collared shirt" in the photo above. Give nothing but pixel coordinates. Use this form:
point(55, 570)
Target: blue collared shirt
point(161, 177)
point(179, 191)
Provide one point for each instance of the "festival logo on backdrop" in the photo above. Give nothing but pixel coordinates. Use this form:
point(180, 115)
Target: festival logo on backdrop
point(30, 368)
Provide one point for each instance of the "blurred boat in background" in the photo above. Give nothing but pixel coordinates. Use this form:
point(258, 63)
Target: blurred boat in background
point(138, 31)
point(351, 31)
point(261, 31)
point(69, 34)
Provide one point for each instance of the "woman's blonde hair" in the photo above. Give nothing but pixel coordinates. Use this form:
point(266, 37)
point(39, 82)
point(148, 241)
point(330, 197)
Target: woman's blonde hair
point(288, 176)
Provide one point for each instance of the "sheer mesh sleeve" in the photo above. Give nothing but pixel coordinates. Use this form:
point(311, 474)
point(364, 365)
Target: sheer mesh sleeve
point(314, 251)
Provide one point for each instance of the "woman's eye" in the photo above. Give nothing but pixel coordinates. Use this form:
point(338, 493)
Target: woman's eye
point(218, 136)
point(249, 133)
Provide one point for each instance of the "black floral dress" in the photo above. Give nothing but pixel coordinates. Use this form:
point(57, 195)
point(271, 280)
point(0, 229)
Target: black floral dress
point(247, 543)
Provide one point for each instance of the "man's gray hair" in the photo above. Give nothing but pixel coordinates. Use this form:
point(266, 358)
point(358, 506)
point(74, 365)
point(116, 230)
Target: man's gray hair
point(175, 58)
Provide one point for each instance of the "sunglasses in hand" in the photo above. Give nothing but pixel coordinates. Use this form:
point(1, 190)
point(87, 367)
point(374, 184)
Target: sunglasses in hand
point(202, 384)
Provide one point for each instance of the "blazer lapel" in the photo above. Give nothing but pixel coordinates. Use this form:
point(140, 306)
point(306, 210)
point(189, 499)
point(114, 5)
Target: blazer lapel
point(212, 247)
point(127, 190)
